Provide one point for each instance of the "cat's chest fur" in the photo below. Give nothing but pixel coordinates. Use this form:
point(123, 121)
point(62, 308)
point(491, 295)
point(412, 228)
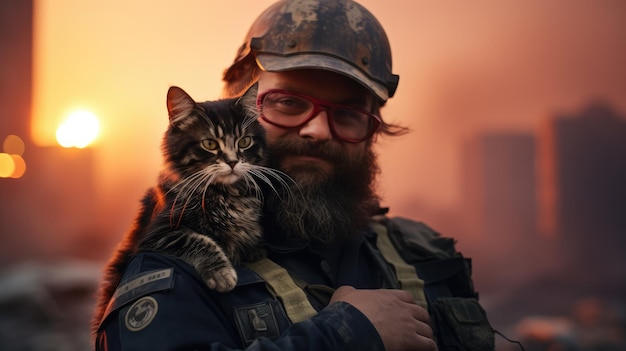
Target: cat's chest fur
point(225, 212)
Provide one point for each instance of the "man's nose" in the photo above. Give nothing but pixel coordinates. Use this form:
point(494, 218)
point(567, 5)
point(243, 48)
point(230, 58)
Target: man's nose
point(317, 128)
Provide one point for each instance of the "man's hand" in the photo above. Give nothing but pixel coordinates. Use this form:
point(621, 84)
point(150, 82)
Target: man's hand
point(401, 324)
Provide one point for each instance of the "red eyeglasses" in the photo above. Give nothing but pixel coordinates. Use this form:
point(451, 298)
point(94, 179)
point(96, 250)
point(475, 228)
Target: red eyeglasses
point(287, 109)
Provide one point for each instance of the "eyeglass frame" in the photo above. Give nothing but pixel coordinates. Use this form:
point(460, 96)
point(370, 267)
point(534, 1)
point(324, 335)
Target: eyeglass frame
point(320, 105)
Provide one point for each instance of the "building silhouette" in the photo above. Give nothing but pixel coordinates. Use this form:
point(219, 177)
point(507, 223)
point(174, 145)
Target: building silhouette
point(567, 184)
point(499, 187)
point(583, 185)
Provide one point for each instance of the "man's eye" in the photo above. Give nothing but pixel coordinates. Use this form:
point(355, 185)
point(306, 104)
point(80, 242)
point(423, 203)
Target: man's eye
point(210, 144)
point(347, 113)
point(285, 101)
point(349, 117)
point(244, 142)
point(286, 104)
point(292, 104)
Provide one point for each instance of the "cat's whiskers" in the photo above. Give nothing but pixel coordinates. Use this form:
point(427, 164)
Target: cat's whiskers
point(187, 188)
point(181, 194)
point(209, 180)
point(205, 179)
point(248, 120)
point(252, 185)
point(265, 173)
point(183, 183)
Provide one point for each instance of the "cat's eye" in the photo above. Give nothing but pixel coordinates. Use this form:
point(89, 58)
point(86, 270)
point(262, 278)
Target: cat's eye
point(244, 142)
point(210, 144)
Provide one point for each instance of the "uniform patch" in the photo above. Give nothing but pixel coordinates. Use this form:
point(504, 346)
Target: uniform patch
point(141, 313)
point(144, 284)
point(143, 280)
point(254, 321)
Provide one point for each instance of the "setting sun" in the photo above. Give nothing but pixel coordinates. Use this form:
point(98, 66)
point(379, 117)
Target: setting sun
point(79, 130)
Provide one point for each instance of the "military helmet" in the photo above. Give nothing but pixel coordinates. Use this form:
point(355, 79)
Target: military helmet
point(336, 35)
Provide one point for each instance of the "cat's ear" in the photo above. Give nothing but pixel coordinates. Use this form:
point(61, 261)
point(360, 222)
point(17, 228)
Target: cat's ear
point(179, 104)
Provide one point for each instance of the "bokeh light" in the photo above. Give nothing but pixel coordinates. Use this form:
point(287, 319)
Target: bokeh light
point(7, 166)
point(14, 145)
point(19, 166)
point(12, 164)
point(79, 130)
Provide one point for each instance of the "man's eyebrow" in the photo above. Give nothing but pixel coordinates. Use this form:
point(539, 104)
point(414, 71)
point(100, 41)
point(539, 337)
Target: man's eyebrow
point(360, 101)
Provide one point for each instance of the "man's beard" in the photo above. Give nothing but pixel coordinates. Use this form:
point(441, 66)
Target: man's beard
point(323, 204)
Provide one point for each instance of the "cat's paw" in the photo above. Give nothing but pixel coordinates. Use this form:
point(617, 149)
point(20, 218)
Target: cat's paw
point(222, 280)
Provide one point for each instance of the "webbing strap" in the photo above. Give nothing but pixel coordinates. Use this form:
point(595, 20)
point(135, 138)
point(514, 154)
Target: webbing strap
point(405, 273)
point(293, 298)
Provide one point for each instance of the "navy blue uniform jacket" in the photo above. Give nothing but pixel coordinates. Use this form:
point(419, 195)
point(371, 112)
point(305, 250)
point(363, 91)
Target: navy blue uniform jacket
point(162, 304)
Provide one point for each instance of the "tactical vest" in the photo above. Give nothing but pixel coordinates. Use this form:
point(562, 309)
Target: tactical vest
point(417, 259)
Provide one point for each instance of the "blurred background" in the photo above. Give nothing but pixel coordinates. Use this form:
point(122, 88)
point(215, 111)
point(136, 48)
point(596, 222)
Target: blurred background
point(517, 149)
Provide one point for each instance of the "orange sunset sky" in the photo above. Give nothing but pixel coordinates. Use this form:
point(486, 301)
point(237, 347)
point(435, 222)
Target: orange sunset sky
point(465, 67)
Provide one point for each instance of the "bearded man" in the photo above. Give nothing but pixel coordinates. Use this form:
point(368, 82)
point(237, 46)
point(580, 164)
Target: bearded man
point(316, 73)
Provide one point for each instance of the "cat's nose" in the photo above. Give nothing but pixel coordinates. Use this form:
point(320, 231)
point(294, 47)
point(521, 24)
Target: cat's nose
point(232, 164)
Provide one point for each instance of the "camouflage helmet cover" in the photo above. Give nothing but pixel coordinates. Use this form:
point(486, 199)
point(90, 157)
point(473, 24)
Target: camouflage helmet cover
point(336, 35)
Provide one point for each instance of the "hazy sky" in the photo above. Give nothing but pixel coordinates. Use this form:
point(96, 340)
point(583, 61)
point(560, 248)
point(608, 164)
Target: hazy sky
point(464, 67)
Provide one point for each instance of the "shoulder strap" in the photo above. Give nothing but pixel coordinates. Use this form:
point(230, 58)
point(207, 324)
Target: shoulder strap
point(294, 300)
point(405, 273)
point(282, 285)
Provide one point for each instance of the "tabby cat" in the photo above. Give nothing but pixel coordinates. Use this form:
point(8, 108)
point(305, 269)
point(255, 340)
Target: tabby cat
point(206, 206)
